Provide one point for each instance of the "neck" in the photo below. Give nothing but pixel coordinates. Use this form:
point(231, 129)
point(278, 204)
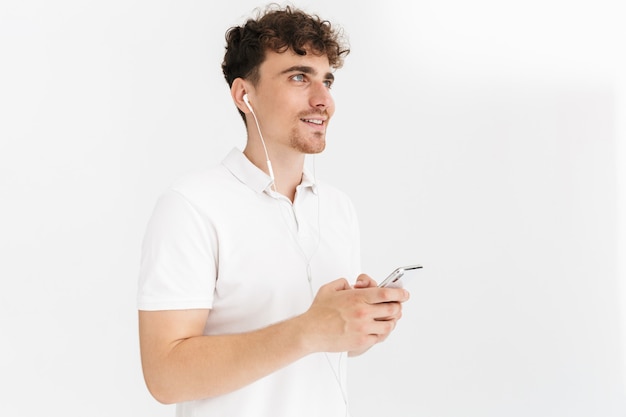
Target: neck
point(287, 167)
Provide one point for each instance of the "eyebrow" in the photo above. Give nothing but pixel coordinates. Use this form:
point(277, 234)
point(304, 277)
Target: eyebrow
point(307, 70)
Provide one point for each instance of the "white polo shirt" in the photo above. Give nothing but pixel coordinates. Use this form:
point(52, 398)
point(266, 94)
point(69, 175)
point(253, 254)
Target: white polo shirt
point(223, 240)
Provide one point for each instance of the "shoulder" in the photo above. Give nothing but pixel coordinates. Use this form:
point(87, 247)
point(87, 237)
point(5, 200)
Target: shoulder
point(335, 199)
point(332, 192)
point(201, 187)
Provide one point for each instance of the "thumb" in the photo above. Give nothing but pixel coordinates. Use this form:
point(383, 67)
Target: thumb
point(364, 281)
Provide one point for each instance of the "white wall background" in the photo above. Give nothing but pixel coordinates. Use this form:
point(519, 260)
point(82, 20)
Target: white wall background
point(482, 139)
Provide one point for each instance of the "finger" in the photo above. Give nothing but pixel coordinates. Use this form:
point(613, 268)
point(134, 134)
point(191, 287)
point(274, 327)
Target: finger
point(386, 295)
point(387, 311)
point(338, 285)
point(364, 281)
point(382, 328)
point(395, 317)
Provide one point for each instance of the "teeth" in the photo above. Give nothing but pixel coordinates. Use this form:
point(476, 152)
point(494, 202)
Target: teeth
point(317, 122)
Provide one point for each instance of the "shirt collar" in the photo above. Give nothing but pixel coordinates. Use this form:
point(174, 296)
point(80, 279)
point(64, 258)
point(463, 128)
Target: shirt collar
point(257, 180)
point(308, 181)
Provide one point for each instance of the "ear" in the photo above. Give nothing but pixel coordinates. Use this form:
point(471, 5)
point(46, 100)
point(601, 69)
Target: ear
point(237, 91)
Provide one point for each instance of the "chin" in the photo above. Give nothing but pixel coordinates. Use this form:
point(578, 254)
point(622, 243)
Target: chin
point(316, 149)
point(310, 147)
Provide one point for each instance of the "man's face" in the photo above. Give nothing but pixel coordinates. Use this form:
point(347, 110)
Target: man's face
point(292, 101)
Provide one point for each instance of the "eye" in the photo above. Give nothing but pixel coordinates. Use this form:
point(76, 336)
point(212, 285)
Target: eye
point(298, 77)
point(328, 83)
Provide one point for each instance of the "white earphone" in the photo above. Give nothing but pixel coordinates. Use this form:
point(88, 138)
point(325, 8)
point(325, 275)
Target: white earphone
point(269, 168)
point(245, 100)
point(267, 157)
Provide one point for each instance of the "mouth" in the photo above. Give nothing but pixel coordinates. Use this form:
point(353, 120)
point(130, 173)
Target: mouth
point(314, 122)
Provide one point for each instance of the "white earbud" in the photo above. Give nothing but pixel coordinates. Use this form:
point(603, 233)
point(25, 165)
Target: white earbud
point(245, 100)
point(267, 157)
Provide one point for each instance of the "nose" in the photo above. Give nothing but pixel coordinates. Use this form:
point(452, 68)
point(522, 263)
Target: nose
point(320, 97)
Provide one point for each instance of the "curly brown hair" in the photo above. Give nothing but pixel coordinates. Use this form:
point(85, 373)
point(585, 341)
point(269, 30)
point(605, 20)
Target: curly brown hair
point(279, 29)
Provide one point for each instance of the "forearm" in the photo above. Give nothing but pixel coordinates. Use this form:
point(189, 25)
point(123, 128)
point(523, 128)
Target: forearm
point(181, 364)
point(207, 366)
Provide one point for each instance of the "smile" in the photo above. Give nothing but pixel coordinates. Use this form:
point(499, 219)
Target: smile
point(314, 121)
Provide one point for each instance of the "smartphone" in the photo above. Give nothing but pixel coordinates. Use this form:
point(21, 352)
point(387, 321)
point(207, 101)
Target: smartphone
point(393, 279)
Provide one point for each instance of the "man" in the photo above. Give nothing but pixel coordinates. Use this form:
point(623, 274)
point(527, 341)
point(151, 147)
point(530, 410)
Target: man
point(244, 299)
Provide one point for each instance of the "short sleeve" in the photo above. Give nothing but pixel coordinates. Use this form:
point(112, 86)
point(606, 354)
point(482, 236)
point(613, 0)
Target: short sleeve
point(178, 260)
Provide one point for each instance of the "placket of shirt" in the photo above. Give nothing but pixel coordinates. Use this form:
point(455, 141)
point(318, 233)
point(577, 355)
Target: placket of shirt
point(302, 219)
